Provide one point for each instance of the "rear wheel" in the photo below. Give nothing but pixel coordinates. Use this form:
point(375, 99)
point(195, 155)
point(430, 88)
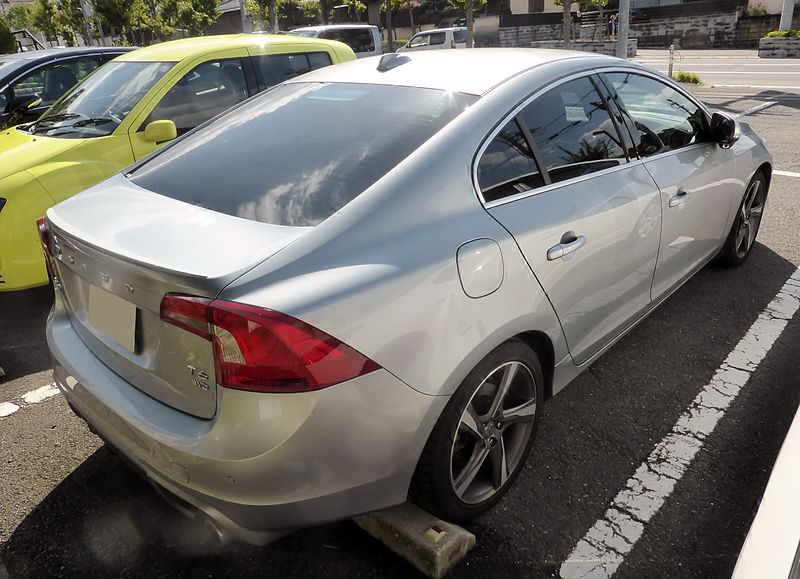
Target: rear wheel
point(745, 227)
point(480, 443)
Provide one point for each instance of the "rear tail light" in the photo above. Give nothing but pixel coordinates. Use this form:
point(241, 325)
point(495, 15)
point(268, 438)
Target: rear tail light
point(452, 44)
point(262, 350)
point(44, 237)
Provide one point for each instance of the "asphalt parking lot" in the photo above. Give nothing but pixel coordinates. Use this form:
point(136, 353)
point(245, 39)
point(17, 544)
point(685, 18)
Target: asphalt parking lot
point(69, 507)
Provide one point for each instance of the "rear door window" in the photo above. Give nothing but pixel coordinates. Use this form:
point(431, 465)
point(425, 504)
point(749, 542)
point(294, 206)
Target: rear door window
point(437, 38)
point(573, 132)
point(507, 166)
point(460, 36)
point(202, 93)
point(300, 152)
point(277, 68)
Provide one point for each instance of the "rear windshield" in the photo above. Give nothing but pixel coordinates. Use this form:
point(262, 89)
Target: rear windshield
point(300, 152)
point(460, 36)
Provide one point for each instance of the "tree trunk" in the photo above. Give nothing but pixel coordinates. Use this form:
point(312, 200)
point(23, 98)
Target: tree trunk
point(273, 17)
point(323, 6)
point(601, 23)
point(389, 30)
point(567, 23)
point(411, 17)
point(468, 9)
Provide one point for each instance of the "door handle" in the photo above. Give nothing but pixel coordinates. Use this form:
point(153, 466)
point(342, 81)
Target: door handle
point(679, 199)
point(566, 247)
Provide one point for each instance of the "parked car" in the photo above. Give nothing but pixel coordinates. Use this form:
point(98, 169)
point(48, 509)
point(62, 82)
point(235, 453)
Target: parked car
point(123, 113)
point(32, 81)
point(364, 39)
point(772, 547)
point(437, 38)
point(362, 285)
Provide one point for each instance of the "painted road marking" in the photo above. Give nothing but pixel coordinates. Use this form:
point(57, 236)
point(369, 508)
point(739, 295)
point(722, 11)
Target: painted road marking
point(753, 110)
point(33, 397)
point(786, 173)
point(601, 551)
point(40, 394)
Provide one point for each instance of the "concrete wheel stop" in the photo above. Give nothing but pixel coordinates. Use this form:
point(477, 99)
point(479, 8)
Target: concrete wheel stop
point(431, 545)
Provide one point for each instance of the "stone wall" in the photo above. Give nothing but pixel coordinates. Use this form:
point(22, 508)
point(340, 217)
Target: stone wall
point(708, 31)
point(717, 30)
point(524, 35)
point(609, 48)
point(779, 48)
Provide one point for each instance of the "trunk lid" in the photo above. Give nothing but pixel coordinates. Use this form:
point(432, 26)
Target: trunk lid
point(119, 249)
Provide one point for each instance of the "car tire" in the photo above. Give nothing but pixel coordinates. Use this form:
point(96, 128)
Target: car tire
point(742, 235)
point(476, 429)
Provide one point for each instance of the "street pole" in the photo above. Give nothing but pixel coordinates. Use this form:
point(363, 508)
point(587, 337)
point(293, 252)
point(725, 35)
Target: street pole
point(623, 19)
point(786, 15)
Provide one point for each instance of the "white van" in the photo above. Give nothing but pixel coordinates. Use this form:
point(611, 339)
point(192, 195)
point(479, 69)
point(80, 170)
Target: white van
point(364, 39)
point(437, 38)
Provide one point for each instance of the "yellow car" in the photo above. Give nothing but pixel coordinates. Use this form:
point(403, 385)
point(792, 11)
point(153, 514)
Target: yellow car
point(124, 111)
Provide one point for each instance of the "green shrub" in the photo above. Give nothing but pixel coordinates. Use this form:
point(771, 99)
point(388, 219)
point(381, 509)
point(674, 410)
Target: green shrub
point(690, 77)
point(7, 42)
point(783, 33)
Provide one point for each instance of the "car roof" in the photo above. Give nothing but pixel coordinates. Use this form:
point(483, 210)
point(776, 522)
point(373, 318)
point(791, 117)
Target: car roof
point(177, 50)
point(329, 26)
point(442, 29)
point(473, 71)
point(50, 53)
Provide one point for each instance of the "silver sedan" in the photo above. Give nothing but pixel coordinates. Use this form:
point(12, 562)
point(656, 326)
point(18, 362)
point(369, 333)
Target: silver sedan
point(361, 286)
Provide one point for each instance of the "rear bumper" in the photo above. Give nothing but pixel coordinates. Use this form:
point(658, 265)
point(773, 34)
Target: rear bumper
point(266, 464)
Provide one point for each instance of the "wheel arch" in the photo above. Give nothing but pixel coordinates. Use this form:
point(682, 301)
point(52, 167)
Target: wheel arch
point(540, 343)
point(766, 169)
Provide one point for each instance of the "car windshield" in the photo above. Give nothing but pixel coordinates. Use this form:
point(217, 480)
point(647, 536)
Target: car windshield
point(300, 152)
point(310, 33)
point(97, 106)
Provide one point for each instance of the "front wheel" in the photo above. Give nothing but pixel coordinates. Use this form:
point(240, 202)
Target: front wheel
point(745, 227)
point(480, 443)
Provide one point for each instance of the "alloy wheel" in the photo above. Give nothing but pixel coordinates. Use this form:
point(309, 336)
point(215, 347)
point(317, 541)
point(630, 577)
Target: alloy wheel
point(750, 218)
point(493, 432)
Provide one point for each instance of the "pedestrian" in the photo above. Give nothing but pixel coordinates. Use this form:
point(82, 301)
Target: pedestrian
point(612, 26)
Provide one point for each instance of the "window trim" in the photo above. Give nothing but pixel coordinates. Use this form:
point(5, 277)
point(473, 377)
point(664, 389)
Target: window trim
point(513, 114)
point(665, 81)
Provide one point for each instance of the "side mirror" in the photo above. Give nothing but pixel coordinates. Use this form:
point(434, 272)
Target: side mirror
point(724, 129)
point(23, 103)
point(160, 131)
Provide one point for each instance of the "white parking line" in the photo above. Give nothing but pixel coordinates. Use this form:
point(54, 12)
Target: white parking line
point(7, 408)
point(786, 173)
point(33, 397)
point(43, 393)
point(601, 551)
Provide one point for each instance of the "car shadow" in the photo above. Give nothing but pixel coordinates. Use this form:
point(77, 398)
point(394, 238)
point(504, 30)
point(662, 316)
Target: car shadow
point(785, 99)
point(105, 520)
point(23, 348)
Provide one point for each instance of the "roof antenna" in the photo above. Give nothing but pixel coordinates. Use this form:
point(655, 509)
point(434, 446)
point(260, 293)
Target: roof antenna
point(391, 60)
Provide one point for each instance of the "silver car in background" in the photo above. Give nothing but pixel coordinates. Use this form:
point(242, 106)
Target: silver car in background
point(362, 286)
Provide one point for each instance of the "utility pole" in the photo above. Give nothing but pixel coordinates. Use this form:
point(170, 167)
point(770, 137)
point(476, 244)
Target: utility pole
point(623, 20)
point(786, 15)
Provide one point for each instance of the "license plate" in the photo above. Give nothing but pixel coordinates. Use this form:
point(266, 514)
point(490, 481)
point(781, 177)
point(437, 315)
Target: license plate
point(113, 316)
